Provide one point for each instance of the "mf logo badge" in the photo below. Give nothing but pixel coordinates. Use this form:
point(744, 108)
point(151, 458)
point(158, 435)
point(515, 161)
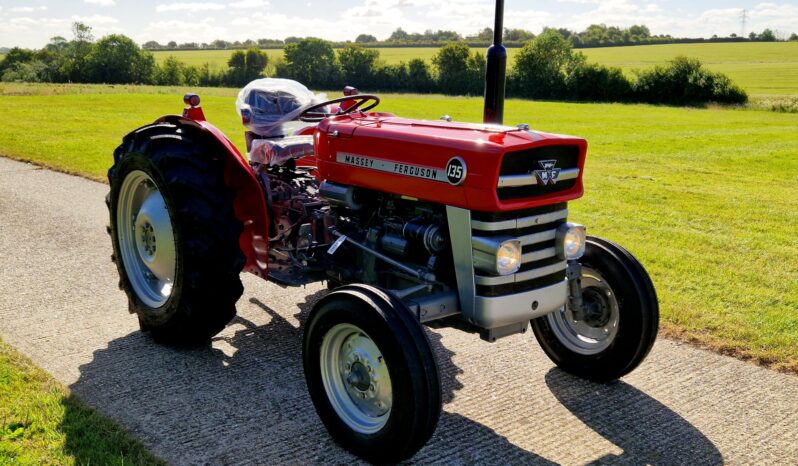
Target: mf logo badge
point(549, 173)
point(455, 170)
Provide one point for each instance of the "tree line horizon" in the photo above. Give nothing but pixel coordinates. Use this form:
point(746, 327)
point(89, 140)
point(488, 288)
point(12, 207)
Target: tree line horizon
point(547, 67)
point(595, 35)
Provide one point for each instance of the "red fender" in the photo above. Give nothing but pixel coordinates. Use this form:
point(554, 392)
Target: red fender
point(249, 203)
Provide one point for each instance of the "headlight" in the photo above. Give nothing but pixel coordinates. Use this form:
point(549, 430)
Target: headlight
point(500, 256)
point(508, 258)
point(571, 238)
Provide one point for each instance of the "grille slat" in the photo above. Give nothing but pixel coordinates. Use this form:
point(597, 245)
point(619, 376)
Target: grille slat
point(522, 222)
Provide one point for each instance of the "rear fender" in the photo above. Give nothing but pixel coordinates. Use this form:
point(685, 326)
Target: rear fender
point(249, 203)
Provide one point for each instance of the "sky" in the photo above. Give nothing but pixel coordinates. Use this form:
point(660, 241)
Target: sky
point(31, 23)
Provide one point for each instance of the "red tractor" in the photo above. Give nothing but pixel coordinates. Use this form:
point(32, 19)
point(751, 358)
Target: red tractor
point(410, 222)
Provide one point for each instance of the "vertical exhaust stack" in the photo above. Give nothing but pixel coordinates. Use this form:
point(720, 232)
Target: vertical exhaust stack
point(496, 74)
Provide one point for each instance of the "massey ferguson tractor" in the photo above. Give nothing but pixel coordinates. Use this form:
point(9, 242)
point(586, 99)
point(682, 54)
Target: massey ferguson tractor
point(410, 222)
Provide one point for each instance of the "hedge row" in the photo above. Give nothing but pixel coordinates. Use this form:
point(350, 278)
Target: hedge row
point(545, 68)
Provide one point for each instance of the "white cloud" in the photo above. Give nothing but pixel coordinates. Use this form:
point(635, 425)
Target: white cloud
point(194, 6)
point(28, 9)
point(101, 2)
point(250, 4)
point(185, 31)
point(94, 20)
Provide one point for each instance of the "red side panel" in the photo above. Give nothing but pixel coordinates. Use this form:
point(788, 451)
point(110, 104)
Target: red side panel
point(249, 204)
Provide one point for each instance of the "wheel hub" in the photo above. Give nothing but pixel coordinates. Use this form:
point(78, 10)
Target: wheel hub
point(356, 378)
point(595, 330)
point(598, 311)
point(146, 239)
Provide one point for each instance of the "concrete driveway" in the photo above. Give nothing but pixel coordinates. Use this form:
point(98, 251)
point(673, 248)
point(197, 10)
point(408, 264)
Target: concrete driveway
point(242, 400)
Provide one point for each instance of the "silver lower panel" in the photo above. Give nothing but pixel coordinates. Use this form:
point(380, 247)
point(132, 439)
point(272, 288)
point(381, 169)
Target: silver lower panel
point(505, 310)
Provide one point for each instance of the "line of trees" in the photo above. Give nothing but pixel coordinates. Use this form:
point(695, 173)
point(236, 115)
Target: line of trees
point(595, 35)
point(117, 59)
point(547, 67)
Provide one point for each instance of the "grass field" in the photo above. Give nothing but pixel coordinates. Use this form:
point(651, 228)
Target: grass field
point(42, 424)
point(760, 68)
point(706, 198)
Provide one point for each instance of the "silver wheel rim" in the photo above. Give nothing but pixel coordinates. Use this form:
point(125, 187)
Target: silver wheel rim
point(356, 379)
point(585, 337)
point(146, 239)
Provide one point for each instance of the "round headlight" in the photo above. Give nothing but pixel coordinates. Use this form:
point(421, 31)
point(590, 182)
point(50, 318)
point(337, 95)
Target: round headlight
point(571, 239)
point(508, 257)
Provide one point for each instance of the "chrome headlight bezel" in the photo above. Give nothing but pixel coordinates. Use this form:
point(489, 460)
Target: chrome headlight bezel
point(497, 255)
point(571, 239)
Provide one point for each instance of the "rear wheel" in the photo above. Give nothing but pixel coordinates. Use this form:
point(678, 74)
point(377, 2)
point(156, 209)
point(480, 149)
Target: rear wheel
point(175, 235)
point(620, 322)
point(371, 374)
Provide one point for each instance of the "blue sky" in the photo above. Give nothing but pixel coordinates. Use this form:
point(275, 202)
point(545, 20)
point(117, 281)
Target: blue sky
point(31, 23)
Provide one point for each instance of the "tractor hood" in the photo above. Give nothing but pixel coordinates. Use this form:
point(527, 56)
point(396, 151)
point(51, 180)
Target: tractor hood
point(475, 166)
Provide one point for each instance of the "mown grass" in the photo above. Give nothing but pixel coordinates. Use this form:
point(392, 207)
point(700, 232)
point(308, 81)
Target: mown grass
point(42, 424)
point(706, 198)
point(761, 68)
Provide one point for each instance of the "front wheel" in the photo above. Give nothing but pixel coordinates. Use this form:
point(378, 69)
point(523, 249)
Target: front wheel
point(371, 374)
point(620, 322)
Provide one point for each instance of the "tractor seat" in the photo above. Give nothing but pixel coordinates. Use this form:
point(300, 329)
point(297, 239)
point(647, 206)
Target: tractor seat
point(276, 151)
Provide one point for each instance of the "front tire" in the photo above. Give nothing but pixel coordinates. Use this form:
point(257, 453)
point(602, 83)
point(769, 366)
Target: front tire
point(621, 325)
point(174, 234)
point(371, 374)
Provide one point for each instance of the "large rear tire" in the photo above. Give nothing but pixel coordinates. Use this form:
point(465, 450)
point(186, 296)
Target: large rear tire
point(174, 234)
point(622, 322)
point(371, 374)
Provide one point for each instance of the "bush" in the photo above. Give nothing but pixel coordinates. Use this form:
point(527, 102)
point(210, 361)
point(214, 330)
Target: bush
point(15, 57)
point(542, 66)
point(357, 65)
point(419, 76)
point(684, 81)
point(28, 72)
point(598, 83)
point(459, 72)
point(245, 67)
point(170, 73)
point(390, 78)
point(116, 59)
point(312, 62)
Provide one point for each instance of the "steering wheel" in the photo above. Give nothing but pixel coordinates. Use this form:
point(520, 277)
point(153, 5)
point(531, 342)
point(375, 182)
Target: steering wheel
point(362, 103)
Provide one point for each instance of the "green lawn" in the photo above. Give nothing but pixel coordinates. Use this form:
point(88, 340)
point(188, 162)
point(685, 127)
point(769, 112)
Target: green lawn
point(706, 198)
point(42, 424)
point(765, 68)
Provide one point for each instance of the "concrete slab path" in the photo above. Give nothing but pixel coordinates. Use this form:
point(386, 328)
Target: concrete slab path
point(242, 400)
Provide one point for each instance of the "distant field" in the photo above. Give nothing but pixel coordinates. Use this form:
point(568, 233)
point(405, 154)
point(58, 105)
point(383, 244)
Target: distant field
point(706, 198)
point(760, 68)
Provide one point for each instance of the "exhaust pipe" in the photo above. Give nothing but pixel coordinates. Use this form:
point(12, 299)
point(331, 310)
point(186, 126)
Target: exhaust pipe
point(496, 74)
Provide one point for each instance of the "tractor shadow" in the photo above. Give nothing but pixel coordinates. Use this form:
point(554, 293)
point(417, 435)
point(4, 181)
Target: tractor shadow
point(647, 431)
point(242, 399)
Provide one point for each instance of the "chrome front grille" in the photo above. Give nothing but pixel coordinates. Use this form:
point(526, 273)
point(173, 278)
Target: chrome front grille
point(536, 228)
point(517, 178)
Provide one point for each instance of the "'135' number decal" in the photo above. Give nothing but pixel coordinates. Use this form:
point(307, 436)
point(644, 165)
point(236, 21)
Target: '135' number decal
point(456, 170)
